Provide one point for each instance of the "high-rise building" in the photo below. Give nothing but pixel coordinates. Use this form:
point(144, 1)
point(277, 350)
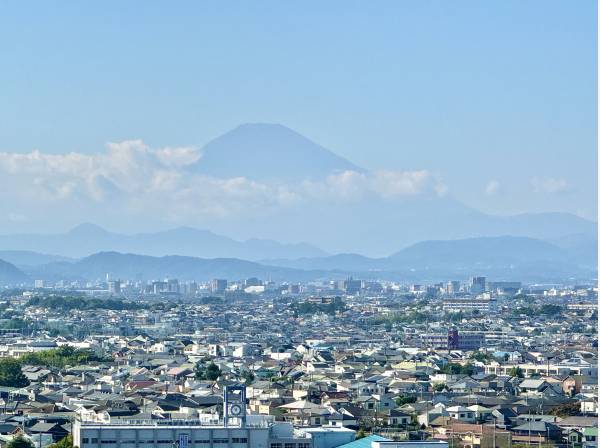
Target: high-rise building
point(352, 286)
point(252, 281)
point(192, 288)
point(159, 287)
point(477, 285)
point(114, 287)
point(173, 286)
point(218, 285)
point(452, 287)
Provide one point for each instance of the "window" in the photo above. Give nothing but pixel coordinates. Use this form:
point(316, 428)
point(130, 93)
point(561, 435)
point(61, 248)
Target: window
point(164, 441)
point(290, 445)
point(303, 445)
point(201, 441)
point(108, 442)
point(276, 445)
point(239, 440)
point(94, 440)
point(220, 441)
point(85, 440)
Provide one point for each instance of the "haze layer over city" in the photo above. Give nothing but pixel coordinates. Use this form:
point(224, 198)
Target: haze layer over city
point(299, 225)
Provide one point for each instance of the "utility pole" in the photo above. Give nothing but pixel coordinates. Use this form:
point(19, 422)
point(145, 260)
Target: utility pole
point(529, 432)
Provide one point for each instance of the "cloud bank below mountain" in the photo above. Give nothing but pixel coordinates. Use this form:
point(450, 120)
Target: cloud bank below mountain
point(131, 178)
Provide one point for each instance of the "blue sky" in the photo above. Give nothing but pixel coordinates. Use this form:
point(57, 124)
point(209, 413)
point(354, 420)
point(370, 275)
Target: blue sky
point(498, 98)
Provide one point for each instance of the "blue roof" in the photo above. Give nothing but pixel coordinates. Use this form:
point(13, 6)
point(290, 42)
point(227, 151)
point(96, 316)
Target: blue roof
point(365, 442)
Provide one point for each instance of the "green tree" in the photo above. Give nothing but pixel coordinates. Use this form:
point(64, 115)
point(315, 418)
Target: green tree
point(551, 310)
point(248, 376)
point(213, 372)
point(405, 399)
point(516, 372)
point(20, 442)
point(65, 442)
point(208, 372)
point(458, 369)
point(61, 356)
point(11, 374)
point(566, 410)
point(439, 387)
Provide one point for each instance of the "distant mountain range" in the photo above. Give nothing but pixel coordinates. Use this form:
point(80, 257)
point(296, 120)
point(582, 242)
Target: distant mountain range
point(471, 255)
point(498, 258)
point(437, 236)
point(278, 157)
point(369, 224)
point(87, 239)
point(144, 267)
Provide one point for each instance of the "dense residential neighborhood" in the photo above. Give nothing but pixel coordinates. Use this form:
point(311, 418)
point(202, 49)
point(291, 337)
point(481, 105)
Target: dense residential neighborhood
point(480, 364)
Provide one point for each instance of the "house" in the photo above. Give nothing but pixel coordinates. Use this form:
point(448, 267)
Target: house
point(537, 432)
point(532, 386)
point(396, 417)
point(504, 417)
point(461, 414)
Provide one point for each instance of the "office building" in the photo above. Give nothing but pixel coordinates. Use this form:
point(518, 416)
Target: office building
point(477, 285)
point(114, 287)
point(218, 285)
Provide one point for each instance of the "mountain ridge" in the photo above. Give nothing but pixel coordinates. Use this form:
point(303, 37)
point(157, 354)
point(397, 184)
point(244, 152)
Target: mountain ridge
point(86, 239)
point(505, 258)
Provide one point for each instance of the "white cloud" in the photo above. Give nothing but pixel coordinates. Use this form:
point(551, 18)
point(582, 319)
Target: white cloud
point(178, 156)
point(401, 183)
point(352, 185)
point(549, 185)
point(492, 187)
point(136, 180)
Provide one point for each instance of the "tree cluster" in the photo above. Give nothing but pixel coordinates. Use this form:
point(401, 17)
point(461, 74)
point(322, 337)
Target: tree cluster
point(303, 308)
point(207, 371)
point(61, 357)
point(68, 303)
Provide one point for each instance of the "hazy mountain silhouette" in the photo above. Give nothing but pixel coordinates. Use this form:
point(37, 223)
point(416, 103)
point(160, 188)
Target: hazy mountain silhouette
point(11, 275)
point(268, 152)
point(29, 258)
point(473, 252)
point(133, 266)
point(492, 255)
point(272, 153)
point(376, 226)
point(87, 239)
point(372, 225)
point(499, 258)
